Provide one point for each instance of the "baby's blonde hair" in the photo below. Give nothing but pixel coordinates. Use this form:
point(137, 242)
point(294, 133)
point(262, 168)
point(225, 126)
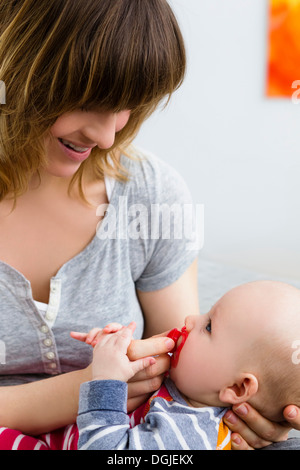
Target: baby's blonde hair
point(278, 372)
point(57, 56)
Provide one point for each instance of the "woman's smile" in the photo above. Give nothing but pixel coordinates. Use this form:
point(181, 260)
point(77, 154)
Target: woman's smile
point(75, 153)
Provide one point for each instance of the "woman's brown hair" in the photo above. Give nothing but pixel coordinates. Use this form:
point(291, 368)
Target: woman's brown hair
point(60, 55)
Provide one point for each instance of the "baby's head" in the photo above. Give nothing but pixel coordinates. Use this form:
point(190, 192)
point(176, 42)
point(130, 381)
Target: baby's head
point(243, 349)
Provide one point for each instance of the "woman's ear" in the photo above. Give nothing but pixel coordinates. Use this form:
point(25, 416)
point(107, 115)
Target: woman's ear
point(245, 387)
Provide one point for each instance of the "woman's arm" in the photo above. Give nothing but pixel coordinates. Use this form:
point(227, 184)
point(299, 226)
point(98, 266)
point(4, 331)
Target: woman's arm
point(49, 404)
point(44, 405)
point(167, 308)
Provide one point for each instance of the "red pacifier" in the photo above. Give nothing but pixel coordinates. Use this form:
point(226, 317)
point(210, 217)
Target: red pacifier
point(175, 335)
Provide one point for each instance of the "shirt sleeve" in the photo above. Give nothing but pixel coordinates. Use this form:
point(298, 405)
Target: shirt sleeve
point(102, 420)
point(102, 417)
point(103, 424)
point(175, 228)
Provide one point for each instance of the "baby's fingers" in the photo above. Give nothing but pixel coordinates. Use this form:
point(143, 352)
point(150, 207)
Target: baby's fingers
point(79, 336)
point(96, 333)
point(92, 336)
point(123, 337)
point(89, 338)
point(112, 327)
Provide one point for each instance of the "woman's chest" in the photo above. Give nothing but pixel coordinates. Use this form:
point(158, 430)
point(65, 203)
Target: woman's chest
point(89, 291)
point(37, 239)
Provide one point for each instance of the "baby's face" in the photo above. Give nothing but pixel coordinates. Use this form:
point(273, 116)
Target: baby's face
point(207, 359)
point(214, 351)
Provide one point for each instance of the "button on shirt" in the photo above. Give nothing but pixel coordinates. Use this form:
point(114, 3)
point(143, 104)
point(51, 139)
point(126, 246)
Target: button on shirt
point(99, 284)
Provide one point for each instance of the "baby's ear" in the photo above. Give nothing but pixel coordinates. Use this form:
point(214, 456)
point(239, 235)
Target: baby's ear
point(245, 387)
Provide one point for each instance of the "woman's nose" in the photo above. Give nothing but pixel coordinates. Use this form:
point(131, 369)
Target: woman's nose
point(102, 130)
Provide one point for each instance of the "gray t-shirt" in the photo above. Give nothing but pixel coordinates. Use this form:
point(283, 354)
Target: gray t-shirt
point(132, 249)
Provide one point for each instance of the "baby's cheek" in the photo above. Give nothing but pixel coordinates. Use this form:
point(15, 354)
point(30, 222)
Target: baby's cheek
point(194, 373)
point(186, 369)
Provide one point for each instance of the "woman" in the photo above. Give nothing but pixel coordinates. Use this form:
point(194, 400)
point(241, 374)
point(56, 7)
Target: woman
point(80, 79)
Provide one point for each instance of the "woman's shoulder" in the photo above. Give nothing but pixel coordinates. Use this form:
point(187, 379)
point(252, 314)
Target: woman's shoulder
point(154, 179)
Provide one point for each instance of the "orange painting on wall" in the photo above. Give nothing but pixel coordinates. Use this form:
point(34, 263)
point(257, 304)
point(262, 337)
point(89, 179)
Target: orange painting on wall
point(283, 67)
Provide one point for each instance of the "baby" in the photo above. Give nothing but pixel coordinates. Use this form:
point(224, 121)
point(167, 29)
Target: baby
point(242, 350)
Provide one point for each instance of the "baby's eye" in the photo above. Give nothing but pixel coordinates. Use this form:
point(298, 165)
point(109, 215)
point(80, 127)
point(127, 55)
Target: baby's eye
point(208, 327)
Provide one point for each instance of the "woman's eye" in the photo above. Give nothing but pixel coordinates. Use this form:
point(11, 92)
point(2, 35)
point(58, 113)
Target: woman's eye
point(208, 327)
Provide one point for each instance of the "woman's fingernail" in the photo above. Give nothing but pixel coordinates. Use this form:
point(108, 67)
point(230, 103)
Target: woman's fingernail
point(169, 343)
point(293, 413)
point(241, 410)
point(236, 439)
point(230, 417)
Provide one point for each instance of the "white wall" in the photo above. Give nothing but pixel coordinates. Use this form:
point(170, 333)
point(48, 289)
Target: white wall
point(238, 151)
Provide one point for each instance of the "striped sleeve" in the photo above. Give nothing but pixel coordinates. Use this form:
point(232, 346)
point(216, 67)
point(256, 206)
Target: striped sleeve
point(104, 424)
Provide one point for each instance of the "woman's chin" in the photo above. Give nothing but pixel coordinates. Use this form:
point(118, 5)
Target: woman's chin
point(62, 170)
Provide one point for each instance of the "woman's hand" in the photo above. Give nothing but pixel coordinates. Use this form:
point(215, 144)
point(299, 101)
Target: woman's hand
point(148, 380)
point(253, 431)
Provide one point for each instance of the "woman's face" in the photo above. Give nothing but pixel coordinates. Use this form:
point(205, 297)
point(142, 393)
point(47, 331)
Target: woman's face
point(75, 134)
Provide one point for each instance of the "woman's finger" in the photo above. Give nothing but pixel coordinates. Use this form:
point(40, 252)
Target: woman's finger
point(149, 347)
point(238, 443)
point(144, 387)
point(142, 364)
point(256, 430)
point(135, 402)
point(160, 335)
point(292, 414)
point(161, 365)
point(245, 437)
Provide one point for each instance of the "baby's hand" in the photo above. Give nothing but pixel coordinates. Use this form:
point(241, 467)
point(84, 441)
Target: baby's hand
point(92, 337)
point(110, 361)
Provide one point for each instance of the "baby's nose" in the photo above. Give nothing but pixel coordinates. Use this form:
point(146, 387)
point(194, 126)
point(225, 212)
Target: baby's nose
point(190, 322)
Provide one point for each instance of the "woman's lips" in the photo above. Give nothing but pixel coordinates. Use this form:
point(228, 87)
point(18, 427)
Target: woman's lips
point(176, 335)
point(73, 155)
